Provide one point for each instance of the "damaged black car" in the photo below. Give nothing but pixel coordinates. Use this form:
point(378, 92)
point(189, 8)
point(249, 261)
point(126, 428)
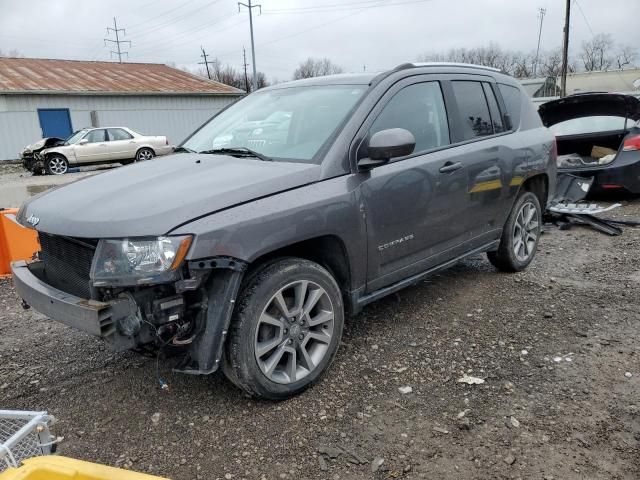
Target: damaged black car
point(598, 135)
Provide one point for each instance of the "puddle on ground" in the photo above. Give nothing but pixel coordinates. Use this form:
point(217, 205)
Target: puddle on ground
point(12, 196)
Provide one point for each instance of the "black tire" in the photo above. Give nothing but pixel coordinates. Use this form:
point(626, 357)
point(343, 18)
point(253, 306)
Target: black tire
point(505, 258)
point(144, 154)
point(241, 362)
point(56, 165)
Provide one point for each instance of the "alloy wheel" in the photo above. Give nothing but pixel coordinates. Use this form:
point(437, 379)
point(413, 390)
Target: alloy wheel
point(294, 332)
point(525, 232)
point(144, 155)
point(57, 166)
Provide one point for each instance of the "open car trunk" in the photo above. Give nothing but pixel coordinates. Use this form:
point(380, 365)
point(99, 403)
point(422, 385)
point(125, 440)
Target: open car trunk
point(590, 149)
point(596, 146)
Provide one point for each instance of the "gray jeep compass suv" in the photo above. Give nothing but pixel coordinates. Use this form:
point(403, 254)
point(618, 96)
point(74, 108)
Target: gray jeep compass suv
point(293, 207)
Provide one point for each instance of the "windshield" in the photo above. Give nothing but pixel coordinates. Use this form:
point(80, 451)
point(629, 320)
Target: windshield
point(75, 137)
point(286, 124)
point(594, 124)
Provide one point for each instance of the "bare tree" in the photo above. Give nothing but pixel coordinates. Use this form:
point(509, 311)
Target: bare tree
point(13, 53)
point(597, 53)
point(316, 67)
point(229, 75)
point(626, 56)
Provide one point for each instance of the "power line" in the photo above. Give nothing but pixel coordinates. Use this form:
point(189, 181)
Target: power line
point(253, 48)
point(585, 18)
point(187, 15)
point(117, 41)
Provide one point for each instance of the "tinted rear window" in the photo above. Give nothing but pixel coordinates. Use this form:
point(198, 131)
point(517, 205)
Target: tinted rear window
point(473, 108)
point(513, 101)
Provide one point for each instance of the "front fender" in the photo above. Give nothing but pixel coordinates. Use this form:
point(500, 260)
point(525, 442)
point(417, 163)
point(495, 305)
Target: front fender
point(261, 226)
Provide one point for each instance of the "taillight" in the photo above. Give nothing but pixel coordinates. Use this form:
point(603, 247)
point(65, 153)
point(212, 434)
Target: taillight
point(554, 148)
point(631, 143)
point(166, 140)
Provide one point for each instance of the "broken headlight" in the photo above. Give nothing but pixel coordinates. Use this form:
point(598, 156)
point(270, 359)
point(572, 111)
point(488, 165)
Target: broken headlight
point(138, 261)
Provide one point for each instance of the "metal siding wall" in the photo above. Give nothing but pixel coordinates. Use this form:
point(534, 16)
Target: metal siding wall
point(173, 116)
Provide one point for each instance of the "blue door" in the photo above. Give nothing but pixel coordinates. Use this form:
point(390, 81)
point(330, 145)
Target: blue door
point(55, 122)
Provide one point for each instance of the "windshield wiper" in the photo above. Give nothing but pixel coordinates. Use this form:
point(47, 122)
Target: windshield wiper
point(238, 152)
point(183, 149)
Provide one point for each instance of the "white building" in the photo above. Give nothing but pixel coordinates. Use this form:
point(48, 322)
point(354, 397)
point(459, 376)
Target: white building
point(53, 98)
point(543, 89)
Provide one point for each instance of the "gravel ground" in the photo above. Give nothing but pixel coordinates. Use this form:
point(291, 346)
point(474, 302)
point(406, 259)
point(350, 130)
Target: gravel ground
point(557, 346)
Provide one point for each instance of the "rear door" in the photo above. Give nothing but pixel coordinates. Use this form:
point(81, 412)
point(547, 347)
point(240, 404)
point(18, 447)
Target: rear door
point(414, 205)
point(488, 152)
point(121, 144)
point(95, 150)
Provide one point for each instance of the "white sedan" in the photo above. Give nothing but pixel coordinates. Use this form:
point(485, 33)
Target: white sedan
point(92, 146)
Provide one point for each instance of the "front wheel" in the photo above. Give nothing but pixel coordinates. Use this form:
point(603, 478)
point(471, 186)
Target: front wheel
point(56, 165)
point(144, 154)
point(286, 329)
point(520, 235)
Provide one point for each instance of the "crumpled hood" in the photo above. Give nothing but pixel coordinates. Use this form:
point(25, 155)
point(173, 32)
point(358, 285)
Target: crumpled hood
point(45, 142)
point(153, 197)
point(589, 104)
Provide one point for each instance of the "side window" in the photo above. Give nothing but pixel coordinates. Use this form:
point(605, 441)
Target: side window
point(118, 134)
point(420, 109)
point(513, 101)
point(95, 136)
point(496, 116)
point(473, 108)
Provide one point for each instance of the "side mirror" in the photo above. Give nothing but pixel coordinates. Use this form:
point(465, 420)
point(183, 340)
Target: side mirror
point(84, 141)
point(387, 144)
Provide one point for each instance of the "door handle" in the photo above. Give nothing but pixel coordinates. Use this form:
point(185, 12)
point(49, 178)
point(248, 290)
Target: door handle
point(450, 167)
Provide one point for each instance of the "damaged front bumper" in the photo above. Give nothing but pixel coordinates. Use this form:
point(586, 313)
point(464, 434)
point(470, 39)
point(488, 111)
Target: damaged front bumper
point(192, 314)
point(93, 317)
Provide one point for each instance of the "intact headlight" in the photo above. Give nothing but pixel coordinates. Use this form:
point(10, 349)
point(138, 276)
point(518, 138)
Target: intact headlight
point(138, 261)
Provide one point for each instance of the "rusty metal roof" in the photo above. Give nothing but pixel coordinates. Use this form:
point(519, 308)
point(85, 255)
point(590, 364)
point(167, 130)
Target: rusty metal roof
point(36, 75)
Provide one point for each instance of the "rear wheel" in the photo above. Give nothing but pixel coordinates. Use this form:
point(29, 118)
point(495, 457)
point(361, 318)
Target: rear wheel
point(144, 154)
point(286, 329)
point(56, 165)
point(520, 235)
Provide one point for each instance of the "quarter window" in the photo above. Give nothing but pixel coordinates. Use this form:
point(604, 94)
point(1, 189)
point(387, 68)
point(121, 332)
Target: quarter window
point(118, 134)
point(473, 108)
point(496, 116)
point(95, 136)
point(513, 101)
point(420, 109)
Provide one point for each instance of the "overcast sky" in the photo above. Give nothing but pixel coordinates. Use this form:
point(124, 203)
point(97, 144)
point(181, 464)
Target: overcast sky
point(379, 34)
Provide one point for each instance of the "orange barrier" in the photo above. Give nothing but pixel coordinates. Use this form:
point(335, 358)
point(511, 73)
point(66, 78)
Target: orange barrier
point(16, 241)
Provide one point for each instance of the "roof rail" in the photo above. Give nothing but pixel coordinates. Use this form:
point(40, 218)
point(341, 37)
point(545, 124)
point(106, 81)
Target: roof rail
point(445, 64)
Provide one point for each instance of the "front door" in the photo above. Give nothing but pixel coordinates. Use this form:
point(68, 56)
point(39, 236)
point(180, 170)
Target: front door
point(55, 122)
point(95, 149)
point(414, 205)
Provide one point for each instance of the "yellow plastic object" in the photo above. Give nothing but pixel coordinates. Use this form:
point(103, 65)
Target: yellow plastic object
point(50, 467)
point(16, 242)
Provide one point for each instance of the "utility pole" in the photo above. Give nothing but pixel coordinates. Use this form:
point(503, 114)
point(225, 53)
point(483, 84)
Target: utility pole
point(253, 48)
point(205, 63)
point(244, 64)
point(117, 41)
point(565, 51)
point(542, 12)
